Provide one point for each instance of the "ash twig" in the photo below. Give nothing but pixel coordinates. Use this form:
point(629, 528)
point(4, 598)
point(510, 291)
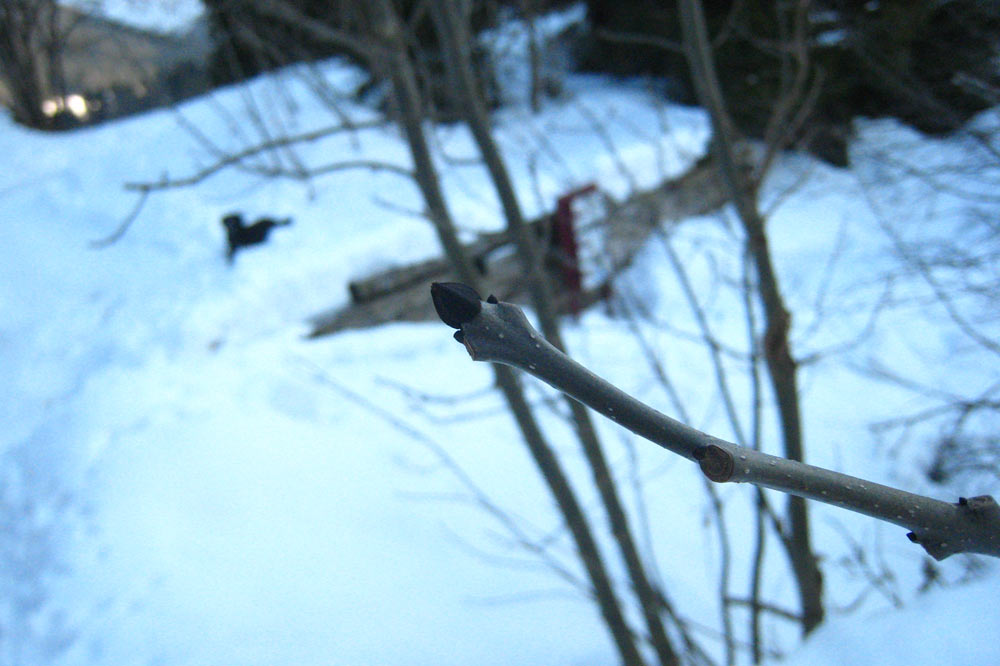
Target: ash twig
point(500, 333)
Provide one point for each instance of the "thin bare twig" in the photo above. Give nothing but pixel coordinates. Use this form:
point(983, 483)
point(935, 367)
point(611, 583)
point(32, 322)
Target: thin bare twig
point(756, 607)
point(500, 333)
point(478, 496)
point(638, 39)
point(234, 159)
point(115, 235)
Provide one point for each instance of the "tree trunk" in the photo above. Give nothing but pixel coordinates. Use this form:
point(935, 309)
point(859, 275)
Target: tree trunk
point(780, 364)
point(398, 69)
point(455, 42)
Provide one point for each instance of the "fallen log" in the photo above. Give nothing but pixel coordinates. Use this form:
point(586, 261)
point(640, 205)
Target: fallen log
point(400, 293)
point(382, 284)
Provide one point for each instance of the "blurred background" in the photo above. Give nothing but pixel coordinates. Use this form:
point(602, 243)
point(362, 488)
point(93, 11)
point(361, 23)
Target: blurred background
point(235, 432)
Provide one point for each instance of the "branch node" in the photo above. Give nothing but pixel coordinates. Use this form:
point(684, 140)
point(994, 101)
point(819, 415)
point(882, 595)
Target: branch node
point(981, 506)
point(716, 463)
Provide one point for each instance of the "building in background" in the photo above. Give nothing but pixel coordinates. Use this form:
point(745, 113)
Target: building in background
point(63, 66)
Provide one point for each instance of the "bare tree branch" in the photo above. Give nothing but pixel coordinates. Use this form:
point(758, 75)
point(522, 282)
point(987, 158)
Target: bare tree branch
point(512, 524)
point(777, 353)
point(638, 39)
point(113, 237)
point(452, 28)
point(500, 333)
point(237, 158)
point(397, 67)
point(757, 606)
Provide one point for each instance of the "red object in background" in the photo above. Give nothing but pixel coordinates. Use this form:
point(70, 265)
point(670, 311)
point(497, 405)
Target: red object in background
point(565, 238)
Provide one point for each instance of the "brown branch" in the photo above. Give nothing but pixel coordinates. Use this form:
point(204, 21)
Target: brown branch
point(406, 102)
point(476, 494)
point(452, 28)
point(287, 13)
point(758, 606)
point(780, 363)
point(114, 236)
point(638, 39)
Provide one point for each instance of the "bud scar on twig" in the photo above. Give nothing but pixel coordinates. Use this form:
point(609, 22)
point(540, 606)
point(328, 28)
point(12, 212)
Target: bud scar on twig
point(500, 333)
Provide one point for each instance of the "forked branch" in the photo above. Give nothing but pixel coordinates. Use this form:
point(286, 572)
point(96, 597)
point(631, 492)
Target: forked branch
point(500, 333)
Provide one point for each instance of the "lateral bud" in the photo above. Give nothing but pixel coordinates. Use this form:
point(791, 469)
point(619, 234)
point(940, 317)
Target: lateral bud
point(716, 463)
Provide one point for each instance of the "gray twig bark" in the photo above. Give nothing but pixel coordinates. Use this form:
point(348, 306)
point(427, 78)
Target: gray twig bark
point(500, 333)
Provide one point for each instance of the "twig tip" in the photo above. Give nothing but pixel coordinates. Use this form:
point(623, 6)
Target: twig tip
point(455, 303)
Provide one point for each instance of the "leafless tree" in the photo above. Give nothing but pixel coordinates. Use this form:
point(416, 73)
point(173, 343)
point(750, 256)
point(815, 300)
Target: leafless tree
point(455, 39)
point(376, 33)
point(380, 36)
point(387, 28)
point(775, 344)
point(948, 260)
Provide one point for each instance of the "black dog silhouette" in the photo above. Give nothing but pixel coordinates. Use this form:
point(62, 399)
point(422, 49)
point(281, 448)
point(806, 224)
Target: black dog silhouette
point(240, 235)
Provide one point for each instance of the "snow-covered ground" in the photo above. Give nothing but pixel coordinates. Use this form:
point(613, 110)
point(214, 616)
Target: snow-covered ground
point(185, 480)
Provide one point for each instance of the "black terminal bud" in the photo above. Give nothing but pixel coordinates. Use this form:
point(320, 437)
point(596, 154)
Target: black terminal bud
point(455, 302)
point(492, 299)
